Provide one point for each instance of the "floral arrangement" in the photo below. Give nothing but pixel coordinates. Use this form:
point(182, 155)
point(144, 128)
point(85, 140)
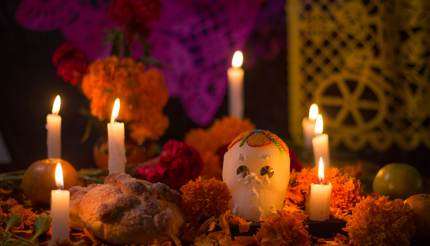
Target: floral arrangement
point(204, 198)
point(142, 92)
point(212, 143)
point(139, 86)
point(380, 221)
point(346, 193)
point(177, 164)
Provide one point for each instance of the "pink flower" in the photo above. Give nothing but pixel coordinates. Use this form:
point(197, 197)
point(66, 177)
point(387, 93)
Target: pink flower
point(177, 164)
point(135, 15)
point(71, 62)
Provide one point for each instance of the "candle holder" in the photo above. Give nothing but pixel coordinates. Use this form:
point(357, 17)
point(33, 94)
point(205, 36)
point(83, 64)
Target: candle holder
point(237, 230)
point(326, 229)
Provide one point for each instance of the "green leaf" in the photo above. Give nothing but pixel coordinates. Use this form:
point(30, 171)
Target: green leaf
point(14, 220)
point(41, 226)
point(87, 132)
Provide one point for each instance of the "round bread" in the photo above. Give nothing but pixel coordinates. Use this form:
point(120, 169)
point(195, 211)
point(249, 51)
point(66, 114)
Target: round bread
point(126, 210)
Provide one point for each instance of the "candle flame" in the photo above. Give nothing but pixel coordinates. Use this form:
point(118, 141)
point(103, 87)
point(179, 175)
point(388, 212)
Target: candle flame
point(57, 104)
point(237, 59)
point(115, 110)
point(319, 127)
point(321, 170)
point(59, 176)
point(313, 111)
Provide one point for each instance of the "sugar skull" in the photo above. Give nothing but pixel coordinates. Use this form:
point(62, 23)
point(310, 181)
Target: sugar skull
point(257, 170)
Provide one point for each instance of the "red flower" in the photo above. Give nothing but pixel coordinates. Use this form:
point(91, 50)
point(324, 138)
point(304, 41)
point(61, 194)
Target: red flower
point(177, 164)
point(135, 15)
point(71, 62)
point(294, 161)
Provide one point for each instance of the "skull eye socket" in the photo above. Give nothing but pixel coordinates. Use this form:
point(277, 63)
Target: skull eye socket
point(267, 170)
point(242, 171)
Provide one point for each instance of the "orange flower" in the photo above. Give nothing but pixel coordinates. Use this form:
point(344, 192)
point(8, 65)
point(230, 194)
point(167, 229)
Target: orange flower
point(286, 227)
point(380, 221)
point(142, 92)
point(346, 193)
point(204, 198)
point(211, 142)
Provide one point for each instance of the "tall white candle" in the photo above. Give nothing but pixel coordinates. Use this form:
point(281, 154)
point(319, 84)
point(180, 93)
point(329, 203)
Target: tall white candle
point(319, 197)
point(117, 158)
point(320, 142)
point(53, 126)
point(235, 86)
point(308, 125)
point(59, 208)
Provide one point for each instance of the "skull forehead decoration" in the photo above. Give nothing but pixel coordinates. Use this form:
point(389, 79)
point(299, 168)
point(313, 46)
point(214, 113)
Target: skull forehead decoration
point(257, 170)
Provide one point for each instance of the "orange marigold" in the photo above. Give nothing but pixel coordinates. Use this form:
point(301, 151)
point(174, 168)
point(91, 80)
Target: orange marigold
point(210, 143)
point(142, 92)
point(204, 198)
point(380, 221)
point(284, 228)
point(346, 191)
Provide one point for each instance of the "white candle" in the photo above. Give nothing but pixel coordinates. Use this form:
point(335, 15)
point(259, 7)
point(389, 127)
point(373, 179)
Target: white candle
point(59, 208)
point(53, 125)
point(235, 85)
point(117, 159)
point(319, 197)
point(320, 143)
point(308, 125)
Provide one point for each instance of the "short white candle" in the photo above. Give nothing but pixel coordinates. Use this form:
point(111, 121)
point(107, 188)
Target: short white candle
point(308, 125)
point(319, 197)
point(117, 158)
point(60, 208)
point(53, 126)
point(235, 86)
point(320, 143)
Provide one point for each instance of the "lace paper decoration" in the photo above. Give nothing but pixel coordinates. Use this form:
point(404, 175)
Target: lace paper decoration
point(367, 64)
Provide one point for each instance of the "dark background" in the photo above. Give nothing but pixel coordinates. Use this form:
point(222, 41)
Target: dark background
point(29, 84)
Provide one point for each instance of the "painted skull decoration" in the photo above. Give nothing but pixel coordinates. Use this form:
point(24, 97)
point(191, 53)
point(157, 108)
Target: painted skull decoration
point(257, 170)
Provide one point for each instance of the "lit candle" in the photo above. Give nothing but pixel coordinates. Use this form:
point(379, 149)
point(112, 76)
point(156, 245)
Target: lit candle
point(308, 125)
point(320, 142)
point(235, 85)
point(117, 159)
point(60, 208)
point(53, 125)
point(319, 197)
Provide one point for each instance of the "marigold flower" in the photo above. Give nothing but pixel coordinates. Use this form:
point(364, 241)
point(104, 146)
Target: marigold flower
point(204, 198)
point(142, 92)
point(346, 191)
point(380, 221)
point(211, 143)
point(284, 228)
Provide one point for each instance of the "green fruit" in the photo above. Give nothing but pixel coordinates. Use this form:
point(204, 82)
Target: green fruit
point(398, 180)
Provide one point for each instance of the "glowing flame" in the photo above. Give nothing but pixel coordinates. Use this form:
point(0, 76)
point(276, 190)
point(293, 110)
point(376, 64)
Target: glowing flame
point(115, 110)
point(237, 59)
point(59, 176)
point(313, 112)
point(319, 127)
point(321, 170)
point(57, 104)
